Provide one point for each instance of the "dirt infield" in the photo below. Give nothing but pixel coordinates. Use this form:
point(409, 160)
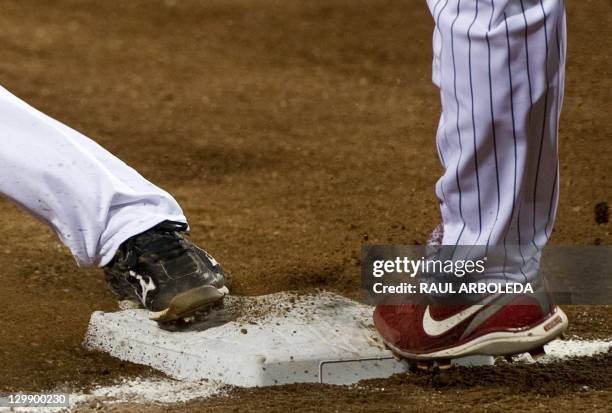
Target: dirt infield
point(291, 132)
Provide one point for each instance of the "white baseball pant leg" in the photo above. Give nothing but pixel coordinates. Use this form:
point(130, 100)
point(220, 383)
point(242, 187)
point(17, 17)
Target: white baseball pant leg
point(499, 65)
point(91, 199)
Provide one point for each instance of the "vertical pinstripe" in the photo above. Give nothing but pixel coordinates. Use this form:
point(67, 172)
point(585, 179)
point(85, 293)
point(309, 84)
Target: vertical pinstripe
point(452, 40)
point(441, 129)
point(474, 123)
point(515, 159)
point(493, 131)
point(544, 118)
point(499, 65)
point(560, 43)
point(528, 69)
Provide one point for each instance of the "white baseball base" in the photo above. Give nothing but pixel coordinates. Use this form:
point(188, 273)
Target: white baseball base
point(258, 341)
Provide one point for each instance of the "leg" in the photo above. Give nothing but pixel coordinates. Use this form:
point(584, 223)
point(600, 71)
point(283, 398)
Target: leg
point(500, 66)
point(106, 213)
point(92, 200)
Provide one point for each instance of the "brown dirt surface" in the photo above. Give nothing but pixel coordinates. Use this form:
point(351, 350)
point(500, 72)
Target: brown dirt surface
point(291, 132)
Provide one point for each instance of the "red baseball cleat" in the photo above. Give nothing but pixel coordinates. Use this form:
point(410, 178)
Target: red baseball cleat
point(438, 332)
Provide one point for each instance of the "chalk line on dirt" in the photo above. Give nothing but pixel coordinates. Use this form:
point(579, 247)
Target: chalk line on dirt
point(168, 391)
point(138, 391)
point(560, 350)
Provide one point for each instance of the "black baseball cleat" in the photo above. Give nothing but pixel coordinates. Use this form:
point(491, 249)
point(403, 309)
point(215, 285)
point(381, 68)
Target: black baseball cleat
point(166, 273)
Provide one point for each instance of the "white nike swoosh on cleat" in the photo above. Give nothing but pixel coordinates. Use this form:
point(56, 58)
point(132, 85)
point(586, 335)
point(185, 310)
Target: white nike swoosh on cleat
point(438, 327)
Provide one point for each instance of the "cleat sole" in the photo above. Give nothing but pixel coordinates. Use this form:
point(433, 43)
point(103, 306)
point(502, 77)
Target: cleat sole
point(444, 364)
point(395, 355)
point(537, 353)
point(425, 365)
point(185, 305)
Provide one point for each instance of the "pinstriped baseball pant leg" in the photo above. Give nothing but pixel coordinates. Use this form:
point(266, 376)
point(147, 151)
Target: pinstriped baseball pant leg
point(499, 65)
